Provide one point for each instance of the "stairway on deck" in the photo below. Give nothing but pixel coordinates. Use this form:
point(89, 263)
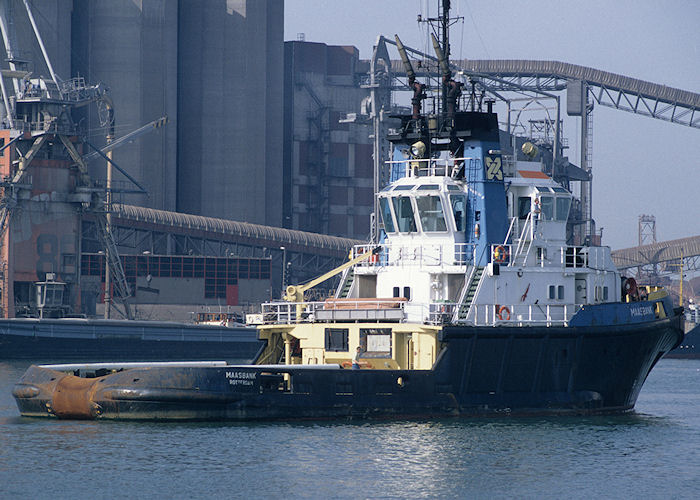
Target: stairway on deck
point(466, 303)
point(347, 281)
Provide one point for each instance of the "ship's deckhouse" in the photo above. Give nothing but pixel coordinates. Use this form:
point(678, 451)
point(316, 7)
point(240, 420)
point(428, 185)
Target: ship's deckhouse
point(430, 253)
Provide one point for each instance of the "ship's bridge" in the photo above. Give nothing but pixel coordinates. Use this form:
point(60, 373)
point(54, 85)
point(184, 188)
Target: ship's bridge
point(426, 211)
point(538, 207)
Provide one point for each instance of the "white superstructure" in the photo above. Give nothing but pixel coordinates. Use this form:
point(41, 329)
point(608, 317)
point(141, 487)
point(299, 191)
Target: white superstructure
point(426, 272)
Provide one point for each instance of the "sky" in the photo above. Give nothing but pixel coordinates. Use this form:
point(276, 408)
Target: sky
point(640, 165)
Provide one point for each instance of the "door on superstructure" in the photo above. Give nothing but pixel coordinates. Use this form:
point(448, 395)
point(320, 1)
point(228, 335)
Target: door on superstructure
point(581, 296)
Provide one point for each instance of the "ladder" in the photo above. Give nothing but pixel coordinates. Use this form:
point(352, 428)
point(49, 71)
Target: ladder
point(467, 295)
point(121, 285)
point(346, 281)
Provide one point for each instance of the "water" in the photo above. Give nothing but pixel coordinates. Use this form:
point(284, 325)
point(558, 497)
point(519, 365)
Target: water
point(651, 453)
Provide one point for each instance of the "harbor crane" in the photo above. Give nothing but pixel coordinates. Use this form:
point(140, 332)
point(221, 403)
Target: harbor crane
point(38, 114)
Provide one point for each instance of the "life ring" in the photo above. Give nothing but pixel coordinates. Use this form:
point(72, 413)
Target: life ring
point(500, 254)
point(503, 310)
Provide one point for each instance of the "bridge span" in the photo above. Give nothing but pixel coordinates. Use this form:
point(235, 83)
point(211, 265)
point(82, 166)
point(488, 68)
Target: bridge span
point(665, 252)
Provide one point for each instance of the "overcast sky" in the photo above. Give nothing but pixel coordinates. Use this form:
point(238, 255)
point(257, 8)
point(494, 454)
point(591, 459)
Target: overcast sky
point(640, 165)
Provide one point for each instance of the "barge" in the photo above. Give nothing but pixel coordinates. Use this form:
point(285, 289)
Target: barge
point(101, 340)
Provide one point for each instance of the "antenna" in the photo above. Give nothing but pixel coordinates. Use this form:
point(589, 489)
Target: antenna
point(440, 36)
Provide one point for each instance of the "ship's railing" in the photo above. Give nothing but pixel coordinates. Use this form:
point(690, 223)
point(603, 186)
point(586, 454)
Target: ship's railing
point(396, 310)
point(521, 314)
point(427, 167)
point(390, 309)
point(424, 255)
point(576, 257)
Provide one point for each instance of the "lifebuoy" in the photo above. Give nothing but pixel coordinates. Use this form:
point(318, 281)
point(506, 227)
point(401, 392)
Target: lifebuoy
point(504, 311)
point(500, 254)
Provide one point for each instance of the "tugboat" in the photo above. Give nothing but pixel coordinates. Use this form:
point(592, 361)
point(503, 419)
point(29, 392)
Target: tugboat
point(471, 303)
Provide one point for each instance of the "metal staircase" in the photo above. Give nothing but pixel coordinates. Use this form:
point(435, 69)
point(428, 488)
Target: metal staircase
point(346, 281)
point(524, 242)
point(121, 285)
point(467, 295)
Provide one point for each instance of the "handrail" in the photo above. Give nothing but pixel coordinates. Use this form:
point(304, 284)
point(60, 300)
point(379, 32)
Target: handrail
point(463, 293)
point(438, 254)
point(521, 314)
point(426, 167)
point(576, 257)
point(521, 240)
point(433, 313)
point(510, 230)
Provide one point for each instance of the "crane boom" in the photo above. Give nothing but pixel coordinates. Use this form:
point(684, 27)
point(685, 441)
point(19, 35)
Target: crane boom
point(128, 137)
point(295, 293)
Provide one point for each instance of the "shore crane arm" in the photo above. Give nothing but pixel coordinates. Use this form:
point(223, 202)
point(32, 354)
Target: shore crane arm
point(149, 127)
point(295, 293)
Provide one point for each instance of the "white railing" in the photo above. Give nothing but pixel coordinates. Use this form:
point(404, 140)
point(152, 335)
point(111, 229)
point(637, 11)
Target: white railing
point(521, 314)
point(577, 257)
point(433, 166)
point(434, 313)
point(453, 254)
point(285, 313)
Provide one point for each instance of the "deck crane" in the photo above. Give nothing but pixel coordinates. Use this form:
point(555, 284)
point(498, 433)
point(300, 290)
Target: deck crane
point(295, 293)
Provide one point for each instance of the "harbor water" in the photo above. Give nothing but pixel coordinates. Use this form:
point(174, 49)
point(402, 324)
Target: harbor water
point(650, 453)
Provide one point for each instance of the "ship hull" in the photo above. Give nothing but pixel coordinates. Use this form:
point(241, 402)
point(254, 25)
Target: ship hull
point(120, 340)
point(481, 371)
point(689, 347)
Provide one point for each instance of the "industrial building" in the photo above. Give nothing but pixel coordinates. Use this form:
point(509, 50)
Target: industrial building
point(328, 163)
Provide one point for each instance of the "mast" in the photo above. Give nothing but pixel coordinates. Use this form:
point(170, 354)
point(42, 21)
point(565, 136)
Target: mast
point(444, 33)
point(450, 90)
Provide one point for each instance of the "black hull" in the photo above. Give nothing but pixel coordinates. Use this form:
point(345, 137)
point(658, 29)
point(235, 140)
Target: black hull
point(690, 346)
point(482, 371)
point(115, 340)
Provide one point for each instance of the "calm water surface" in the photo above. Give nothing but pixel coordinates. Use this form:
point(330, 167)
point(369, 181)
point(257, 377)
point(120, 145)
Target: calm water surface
point(652, 453)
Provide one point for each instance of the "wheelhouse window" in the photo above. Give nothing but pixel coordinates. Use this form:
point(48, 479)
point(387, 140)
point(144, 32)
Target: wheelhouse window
point(403, 209)
point(563, 205)
point(459, 210)
point(386, 215)
point(547, 207)
point(432, 218)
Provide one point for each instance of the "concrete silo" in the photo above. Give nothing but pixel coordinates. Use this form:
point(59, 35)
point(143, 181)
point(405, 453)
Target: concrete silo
point(131, 47)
